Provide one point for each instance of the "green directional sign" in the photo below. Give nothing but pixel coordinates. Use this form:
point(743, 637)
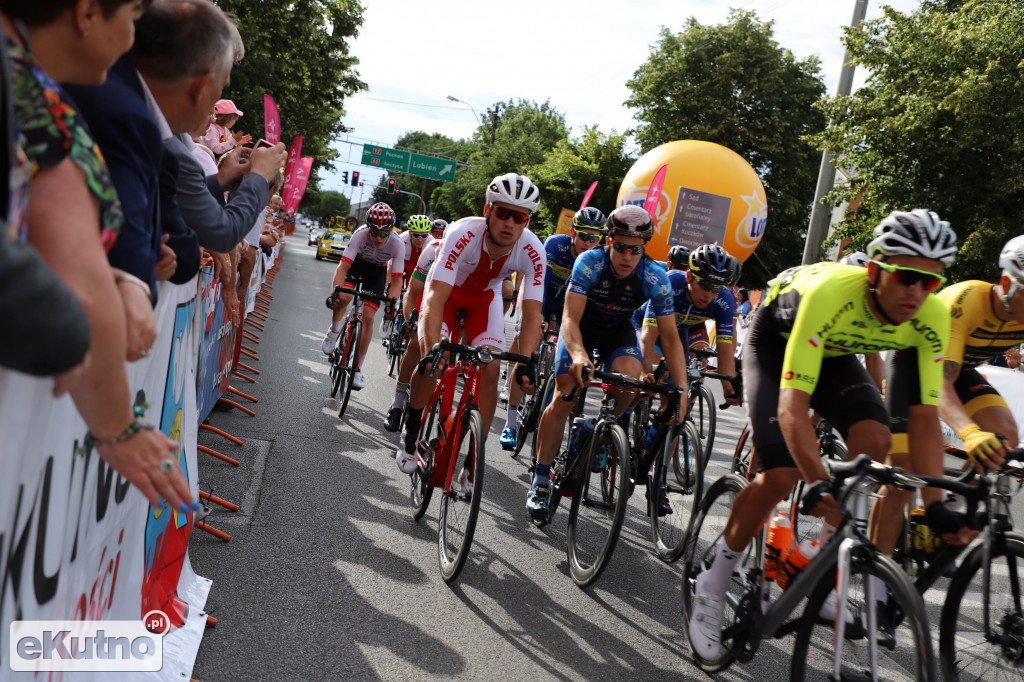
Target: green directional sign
point(430, 167)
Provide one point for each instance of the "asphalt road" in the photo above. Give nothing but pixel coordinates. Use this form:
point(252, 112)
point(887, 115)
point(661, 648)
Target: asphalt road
point(327, 576)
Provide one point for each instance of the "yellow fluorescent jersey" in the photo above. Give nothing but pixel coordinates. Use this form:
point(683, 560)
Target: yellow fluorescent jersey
point(822, 311)
point(976, 334)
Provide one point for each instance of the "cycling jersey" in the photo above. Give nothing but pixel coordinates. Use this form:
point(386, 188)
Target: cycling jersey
point(361, 248)
point(976, 334)
point(690, 317)
point(610, 299)
point(823, 312)
point(411, 254)
point(558, 248)
point(427, 257)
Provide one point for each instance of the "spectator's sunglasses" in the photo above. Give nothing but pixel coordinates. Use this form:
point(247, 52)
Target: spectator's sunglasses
point(589, 237)
point(635, 249)
point(379, 232)
point(504, 213)
point(707, 286)
point(908, 277)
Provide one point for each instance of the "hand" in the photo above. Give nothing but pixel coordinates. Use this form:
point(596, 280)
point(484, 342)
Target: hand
point(984, 449)
point(1012, 358)
point(817, 500)
point(731, 397)
point(231, 308)
point(579, 371)
point(138, 460)
point(62, 383)
point(140, 324)
point(241, 138)
point(233, 166)
point(953, 527)
point(168, 262)
point(524, 376)
point(267, 161)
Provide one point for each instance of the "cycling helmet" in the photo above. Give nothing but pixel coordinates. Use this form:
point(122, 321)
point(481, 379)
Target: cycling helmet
point(915, 233)
point(1011, 260)
point(418, 223)
point(380, 216)
point(514, 190)
point(856, 258)
point(713, 264)
point(679, 256)
point(439, 224)
point(630, 221)
point(589, 218)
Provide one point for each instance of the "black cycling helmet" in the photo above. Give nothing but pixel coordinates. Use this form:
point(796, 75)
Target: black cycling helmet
point(679, 256)
point(589, 218)
point(713, 264)
point(630, 221)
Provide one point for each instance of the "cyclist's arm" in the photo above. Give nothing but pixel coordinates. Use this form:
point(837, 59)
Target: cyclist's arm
point(415, 288)
point(648, 337)
point(951, 410)
point(875, 367)
point(575, 304)
point(799, 434)
point(434, 299)
point(530, 330)
point(727, 365)
point(395, 290)
point(674, 354)
point(924, 440)
point(341, 272)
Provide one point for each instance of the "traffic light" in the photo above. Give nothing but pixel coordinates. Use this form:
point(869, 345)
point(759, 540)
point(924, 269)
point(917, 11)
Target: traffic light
point(355, 178)
point(344, 176)
point(392, 186)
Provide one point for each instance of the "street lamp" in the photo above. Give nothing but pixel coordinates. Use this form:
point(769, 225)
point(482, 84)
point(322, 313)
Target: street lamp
point(456, 99)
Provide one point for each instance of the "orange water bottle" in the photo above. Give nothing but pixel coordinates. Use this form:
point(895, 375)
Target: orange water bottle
point(780, 539)
point(797, 560)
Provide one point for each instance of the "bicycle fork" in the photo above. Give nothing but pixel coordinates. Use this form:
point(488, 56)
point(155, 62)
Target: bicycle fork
point(860, 521)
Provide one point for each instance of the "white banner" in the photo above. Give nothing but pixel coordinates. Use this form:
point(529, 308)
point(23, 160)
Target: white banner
point(1010, 384)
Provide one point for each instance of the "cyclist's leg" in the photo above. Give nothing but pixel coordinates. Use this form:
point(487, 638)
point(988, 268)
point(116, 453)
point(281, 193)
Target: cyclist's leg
point(513, 394)
point(620, 353)
point(550, 430)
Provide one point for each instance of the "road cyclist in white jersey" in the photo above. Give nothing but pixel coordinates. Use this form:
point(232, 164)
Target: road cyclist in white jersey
point(372, 248)
point(474, 258)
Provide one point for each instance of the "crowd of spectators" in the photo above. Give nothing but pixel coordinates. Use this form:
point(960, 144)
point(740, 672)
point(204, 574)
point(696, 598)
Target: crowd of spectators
point(107, 109)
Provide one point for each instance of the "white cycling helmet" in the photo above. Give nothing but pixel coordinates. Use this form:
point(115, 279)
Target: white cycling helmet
point(915, 233)
point(856, 258)
point(1011, 259)
point(515, 190)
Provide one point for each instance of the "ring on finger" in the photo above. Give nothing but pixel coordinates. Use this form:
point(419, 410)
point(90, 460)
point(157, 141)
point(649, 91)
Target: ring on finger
point(167, 465)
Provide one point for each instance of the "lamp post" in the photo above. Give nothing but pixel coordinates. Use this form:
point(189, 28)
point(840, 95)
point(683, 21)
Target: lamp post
point(456, 99)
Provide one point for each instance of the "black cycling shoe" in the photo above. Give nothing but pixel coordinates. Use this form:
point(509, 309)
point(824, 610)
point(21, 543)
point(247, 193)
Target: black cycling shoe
point(393, 420)
point(885, 621)
point(664, 508)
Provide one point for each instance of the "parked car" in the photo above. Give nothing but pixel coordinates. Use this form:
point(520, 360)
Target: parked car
point(332, 245)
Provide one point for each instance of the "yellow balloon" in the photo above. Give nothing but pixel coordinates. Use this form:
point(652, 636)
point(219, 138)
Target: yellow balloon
point(710, 195)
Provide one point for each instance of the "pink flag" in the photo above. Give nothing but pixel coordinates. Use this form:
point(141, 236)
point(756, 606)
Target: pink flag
point(294, 152)
point(271, 120)
point(298, 186)
point(590, 193)
point(654, 192)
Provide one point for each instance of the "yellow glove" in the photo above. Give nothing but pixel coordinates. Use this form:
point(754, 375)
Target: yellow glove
point(980, 445)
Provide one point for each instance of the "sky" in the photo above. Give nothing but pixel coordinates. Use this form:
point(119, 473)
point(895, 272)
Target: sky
point(577, 54)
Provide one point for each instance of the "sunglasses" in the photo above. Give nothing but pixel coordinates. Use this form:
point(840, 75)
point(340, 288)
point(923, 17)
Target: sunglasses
point(419, 235)
point(503, 213)
point(908, 277)
point(707, 286)
point(588, 237)
point(383, 232)
point(438, 234)
point(636, 250)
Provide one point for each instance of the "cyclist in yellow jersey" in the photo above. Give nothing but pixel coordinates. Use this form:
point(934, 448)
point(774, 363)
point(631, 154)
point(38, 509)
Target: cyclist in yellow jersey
point(800, 352)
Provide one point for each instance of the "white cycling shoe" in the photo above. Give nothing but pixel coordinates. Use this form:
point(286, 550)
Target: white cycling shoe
point(357, 381)
point(705, 624)
point(406, 462)
point(329, 341)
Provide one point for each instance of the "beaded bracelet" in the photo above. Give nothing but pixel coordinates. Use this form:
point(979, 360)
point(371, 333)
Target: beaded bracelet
point(139, 423)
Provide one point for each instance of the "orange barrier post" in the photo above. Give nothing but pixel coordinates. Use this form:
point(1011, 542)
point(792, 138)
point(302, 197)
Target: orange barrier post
point(262, 308)
point(203, 495)
point(245, 351)
point(201, 525)
point(267, 294)
point(254, 323)
point(239, 374)
point(258, 315)
point(249, 335)
point(214, 453)
point(232, 403)
point(211, 622)
point(247, 368)
point(222, 434)
point(235, 391)
point(249, 348)
point(262, 298)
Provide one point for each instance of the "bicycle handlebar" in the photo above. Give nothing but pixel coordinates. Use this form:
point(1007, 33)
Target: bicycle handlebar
point(357, 294)
point(479, 354)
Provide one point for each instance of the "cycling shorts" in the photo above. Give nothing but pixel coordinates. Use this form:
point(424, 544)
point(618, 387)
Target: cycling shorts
point(696, 339)
point(610, 342)
point(484, 320)
point(844, 395)
point(374, 278)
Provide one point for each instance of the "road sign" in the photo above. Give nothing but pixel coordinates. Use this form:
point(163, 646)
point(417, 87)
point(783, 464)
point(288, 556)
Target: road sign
point(430, 167)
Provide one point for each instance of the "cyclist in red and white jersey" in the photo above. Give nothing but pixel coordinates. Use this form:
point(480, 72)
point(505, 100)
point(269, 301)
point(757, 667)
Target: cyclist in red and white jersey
point(474, 259)
point(438, 227)
point(373, 247)
point(415, 237)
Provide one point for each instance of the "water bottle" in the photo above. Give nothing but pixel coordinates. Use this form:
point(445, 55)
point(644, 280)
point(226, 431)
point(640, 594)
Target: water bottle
point(780, 540)
point(797, 561)
point(650, 437)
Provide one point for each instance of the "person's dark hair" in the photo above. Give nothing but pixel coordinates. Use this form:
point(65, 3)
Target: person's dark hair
point(744, 295)
point(226, 120)
point(176, 39)
point(36, 13)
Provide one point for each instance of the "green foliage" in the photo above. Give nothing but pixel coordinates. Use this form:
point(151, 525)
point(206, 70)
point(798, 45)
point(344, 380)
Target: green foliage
point(938, 124)
point(319, 205)
point(734, 85)
point(297, 52)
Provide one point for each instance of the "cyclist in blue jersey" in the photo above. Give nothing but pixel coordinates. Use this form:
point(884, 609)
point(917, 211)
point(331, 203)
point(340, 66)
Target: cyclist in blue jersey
point(588, 228)
point(699, 294)
point(606, 286)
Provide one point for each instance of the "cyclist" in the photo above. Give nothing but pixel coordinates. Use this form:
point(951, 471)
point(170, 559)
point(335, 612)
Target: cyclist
point(606, 286)
point(800, 353)
point(437, 228)
point(373, 247)
point(700, 294)
point(415, 237)
point(475, 256)
point(561, 250)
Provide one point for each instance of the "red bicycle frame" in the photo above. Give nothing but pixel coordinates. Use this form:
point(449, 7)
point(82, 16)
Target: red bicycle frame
point(444, 453)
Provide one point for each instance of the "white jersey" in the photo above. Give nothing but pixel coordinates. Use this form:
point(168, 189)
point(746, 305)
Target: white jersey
point(463, 260)
point(427, 257)
point(361, 247)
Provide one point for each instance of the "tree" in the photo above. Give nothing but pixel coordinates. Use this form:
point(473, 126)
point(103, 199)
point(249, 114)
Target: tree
point(419, 142)
point(734, 85)
point(320, 205)
point(297, 52)
point(938, 124)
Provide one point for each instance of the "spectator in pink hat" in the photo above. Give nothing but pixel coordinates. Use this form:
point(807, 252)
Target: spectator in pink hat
point(219, 137)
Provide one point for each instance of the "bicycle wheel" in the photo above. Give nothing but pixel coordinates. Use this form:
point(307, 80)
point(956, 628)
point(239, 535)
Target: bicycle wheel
point(394, 353)
point(460, 505)
point(741, 457)
point(335, 371)
point(595, 517)
point(669, 504)
point(431, 434)
point(548, 392)
point(699, 548)
point(815, 639)
point(978, 645)
point(706, 420)
point(350, 358)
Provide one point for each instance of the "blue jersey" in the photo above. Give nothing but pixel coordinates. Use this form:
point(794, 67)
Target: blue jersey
point(558, 249)
point(688, 315)
point(610, 299)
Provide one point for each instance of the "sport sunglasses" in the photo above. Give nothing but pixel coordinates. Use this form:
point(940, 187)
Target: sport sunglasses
point(419, 235)
point(708, 286)
point(636, 249)
point(588, 237)
point(438, 234)
point(908, 277)
point(504, 213)
point(382, 232)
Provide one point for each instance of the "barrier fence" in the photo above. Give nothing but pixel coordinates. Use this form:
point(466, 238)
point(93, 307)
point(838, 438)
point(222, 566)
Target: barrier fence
point(77, 542)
